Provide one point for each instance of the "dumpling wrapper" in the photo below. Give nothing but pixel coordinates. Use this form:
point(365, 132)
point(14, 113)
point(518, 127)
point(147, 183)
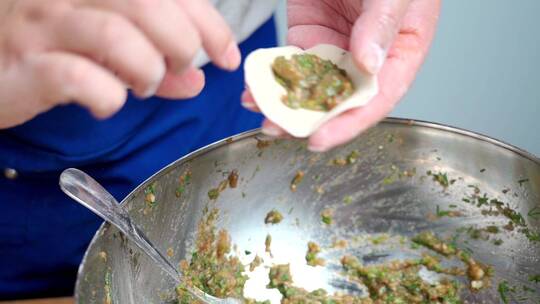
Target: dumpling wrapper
point(267, 92)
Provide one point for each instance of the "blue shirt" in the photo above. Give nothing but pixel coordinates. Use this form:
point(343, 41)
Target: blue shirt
point(43, 234)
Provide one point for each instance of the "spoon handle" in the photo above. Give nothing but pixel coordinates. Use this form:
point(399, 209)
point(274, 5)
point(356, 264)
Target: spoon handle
point(89, 193)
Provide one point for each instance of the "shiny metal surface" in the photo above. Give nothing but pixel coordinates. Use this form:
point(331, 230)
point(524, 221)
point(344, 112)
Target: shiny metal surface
point(86, 191)
point(369, 198)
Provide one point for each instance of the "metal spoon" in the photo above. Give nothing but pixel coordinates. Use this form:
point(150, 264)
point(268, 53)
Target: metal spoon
point(89, 193)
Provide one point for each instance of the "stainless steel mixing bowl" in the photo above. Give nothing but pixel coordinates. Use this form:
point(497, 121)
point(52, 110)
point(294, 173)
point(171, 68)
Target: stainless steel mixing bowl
point(386, 191)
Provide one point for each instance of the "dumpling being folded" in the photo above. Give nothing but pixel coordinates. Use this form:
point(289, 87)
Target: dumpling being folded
point(299, 89)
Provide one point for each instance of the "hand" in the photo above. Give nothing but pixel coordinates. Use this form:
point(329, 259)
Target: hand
point(388, 37)
point(89, 51)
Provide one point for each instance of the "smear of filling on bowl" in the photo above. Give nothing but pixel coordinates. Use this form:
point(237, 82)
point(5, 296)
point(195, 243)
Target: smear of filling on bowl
point(216, 271)
point(311, 82)
point(211, 268)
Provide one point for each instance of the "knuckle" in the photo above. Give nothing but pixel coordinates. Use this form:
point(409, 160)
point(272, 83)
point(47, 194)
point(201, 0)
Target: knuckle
point(185, 54)
point(74, 74)
point(193, 49)
point(113, 30)
point(35, 10)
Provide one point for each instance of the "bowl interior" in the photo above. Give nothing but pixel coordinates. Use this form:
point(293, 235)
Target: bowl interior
point(378, 188)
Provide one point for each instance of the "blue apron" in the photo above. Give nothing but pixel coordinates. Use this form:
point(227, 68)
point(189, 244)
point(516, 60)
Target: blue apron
point(43, 234)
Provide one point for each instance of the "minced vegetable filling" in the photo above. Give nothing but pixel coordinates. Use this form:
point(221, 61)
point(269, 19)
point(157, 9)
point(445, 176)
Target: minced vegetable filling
point(312, 83)
point(215, 271)
point(210, 268)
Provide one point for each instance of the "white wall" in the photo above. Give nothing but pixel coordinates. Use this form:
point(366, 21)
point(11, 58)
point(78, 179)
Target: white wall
point(482, 73)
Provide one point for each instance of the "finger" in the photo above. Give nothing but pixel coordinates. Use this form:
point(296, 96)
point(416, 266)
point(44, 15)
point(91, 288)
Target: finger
point(248, 102)
point(164, 23)
point(308, 36)
point(374, 32)
point(349, 124)
point(271, 129)
point(63, 77)
point(115, 43)
point(398, 72)
point(187, 85)
point(217, 38)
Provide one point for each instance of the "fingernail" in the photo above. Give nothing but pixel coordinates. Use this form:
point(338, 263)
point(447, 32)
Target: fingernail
point(271, 131)
point(249, 105)
point(232, 57)
point(157, 79)
point(151, 90)
point(374, 59)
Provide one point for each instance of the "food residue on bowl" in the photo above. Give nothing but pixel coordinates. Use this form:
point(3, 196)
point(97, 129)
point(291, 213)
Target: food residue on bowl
point(273, 217)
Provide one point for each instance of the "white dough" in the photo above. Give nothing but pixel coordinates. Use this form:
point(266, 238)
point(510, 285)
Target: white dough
point(267, 92)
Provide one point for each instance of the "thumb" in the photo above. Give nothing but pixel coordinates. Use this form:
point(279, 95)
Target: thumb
point(374, 31)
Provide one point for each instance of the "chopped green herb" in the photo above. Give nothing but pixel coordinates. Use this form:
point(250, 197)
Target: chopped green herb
point(449, 213)
point(492, 229)
point(534, 213)
point(535, 278)
point(347, 199)
point(184, 180)
point(213, 194)
point(497, 242)
point(482, 200)
point(504, 289)
point(442, 179)
point(150, 195)
point(514, 216)
point(311, 255)
point(180, 190)
point(326, 216)
point(268, 243)
point(353, 157)
point(379, 239)
point(532, 236)
point(389, 180)
point(528, 289)
point(108, 288)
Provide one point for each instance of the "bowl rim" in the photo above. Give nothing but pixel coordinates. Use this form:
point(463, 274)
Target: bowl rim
point(257, 131)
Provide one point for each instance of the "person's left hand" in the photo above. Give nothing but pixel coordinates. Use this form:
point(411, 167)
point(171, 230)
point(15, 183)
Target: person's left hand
point(388, 37)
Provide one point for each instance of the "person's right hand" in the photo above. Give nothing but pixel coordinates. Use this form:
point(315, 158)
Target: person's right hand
point(90, 51)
